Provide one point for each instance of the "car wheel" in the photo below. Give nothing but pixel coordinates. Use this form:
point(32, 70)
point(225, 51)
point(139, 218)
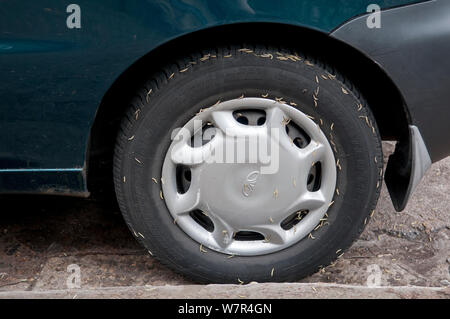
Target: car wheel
point(247, 219)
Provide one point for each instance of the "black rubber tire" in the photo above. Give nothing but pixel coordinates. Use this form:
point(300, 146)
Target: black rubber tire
point(174, 96)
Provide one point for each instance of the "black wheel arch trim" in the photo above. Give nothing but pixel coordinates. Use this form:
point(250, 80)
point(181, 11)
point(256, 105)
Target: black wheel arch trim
point(412, 47)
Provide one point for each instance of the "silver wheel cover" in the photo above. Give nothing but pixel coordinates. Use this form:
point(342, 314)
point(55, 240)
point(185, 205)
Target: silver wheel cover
point(241, 197)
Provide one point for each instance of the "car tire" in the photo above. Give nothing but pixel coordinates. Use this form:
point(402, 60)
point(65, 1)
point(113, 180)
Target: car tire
point(182, 90)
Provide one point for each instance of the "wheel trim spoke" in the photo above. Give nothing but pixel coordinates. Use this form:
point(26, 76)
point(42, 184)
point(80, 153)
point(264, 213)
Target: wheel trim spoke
point(184, 154)
point(185, 203)
point(223, 232)
point(310, 201)
point(276, 126)
point(276, 118)
point(273, 233)
point(224, 120)
point(313, 152)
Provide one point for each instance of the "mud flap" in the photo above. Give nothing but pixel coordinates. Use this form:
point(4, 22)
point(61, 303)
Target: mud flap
point(406, 167)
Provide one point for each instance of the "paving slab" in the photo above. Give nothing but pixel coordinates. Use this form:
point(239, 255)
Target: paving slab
point(252, 291)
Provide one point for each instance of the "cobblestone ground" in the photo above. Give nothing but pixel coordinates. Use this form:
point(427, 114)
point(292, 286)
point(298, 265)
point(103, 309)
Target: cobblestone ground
point(41, 236)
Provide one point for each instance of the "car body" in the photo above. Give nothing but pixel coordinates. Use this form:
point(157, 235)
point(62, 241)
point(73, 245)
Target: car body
point(54, 79)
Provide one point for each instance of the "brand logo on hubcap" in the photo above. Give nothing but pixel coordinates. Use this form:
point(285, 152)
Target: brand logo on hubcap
point(250, 183)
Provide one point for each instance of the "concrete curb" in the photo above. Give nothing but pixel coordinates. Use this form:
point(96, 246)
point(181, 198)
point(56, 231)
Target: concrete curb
point(251, 291)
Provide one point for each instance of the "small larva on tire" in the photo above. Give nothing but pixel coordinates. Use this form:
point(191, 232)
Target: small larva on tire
point(245, 50)
point(316, 91)
point(338, 164)
point(148, 95)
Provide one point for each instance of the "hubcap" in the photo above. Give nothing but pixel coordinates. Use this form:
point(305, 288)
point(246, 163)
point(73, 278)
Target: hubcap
point(249, 202)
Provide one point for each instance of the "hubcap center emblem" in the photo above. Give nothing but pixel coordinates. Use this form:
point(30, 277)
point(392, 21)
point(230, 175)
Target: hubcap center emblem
point(250, 183)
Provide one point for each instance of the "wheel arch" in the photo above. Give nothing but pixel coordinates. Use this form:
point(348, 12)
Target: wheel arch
point(385, 100)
